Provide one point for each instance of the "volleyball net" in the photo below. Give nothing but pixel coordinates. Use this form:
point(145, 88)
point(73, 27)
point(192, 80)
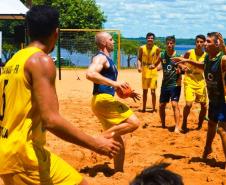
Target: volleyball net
point(76, 47)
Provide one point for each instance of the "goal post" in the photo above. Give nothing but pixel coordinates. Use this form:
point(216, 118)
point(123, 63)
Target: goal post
point(77, 46)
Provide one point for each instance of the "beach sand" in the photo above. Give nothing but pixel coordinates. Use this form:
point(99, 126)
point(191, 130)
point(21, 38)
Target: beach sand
point(148, 145)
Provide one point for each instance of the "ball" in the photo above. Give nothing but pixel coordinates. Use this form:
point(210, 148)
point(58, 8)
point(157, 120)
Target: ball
point(124, 92)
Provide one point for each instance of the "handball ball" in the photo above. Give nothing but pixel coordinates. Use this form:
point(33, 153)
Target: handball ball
point(124, 92)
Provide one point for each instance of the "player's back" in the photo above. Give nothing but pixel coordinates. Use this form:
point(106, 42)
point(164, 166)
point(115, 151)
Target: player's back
point(16, 125)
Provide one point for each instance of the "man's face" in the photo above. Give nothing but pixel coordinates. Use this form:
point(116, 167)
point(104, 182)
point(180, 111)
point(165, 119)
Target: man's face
point(199, 43)
point(109, 43)
point(210, 44)
point(150, 40)
point(170, 45)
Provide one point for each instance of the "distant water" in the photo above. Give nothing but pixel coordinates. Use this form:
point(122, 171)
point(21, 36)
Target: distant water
point(79, 59)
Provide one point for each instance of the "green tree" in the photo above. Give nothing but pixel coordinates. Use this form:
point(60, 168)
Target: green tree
point(73, 14)
point(130, 48)
point(9, 46)
point(76, 13)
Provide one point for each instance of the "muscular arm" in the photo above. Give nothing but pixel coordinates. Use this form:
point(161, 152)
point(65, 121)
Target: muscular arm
point(41, 72)
point(93, 72)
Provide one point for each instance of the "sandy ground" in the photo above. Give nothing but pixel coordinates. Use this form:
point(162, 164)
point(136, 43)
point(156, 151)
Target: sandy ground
point(148, 145)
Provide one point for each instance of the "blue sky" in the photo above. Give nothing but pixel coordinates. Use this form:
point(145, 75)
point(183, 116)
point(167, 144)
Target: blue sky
point(182, 18)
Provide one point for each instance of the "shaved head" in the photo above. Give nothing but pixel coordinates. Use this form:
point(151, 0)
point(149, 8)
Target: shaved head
point(101, 38)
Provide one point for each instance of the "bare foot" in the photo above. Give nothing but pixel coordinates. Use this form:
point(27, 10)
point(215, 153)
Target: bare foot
point(177, 130)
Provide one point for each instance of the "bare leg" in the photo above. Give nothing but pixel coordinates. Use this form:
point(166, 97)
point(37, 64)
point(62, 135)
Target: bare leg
point(162, 113)
point(130, 124)
point(186, 112)
point(120, 157)
point(145, 92)
point(176, 111)
point(222, 132)
point(84, 182)
point(153, 95)
point(202, 115)
point(210, 136)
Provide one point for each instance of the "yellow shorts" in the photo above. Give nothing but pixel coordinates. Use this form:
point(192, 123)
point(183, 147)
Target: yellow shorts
point(52, 171)
point(198, 95)
point(109, 111)
point(149, 83)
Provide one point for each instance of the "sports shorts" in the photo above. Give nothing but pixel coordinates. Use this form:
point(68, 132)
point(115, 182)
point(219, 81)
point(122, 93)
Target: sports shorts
point(51, 170)
point(149, 83)
point(109, 110)
point(172, 93)
point(198, 95)
point(217, 112)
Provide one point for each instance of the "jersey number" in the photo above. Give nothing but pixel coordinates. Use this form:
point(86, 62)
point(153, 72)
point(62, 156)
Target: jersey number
point(3, 100)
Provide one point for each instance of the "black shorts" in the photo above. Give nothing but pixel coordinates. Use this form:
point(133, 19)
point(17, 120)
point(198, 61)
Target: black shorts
point(168, 94)
point(217, 112)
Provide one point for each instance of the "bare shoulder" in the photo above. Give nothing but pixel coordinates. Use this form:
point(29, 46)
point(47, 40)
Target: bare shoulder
point(100, 61)
point(40, 65)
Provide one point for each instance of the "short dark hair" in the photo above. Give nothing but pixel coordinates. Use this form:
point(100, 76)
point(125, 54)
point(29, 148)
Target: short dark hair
point(157, 175)
point(171, 37)
point(41, 21)
point(150, 34)
point(213, 34)
point(200, 37)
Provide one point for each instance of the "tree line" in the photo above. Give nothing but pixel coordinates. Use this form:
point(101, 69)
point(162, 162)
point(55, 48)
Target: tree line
point(74, 14)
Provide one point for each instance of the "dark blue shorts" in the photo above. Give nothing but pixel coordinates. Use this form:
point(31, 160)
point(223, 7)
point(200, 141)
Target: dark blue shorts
point(168, 94)
point(217, 112)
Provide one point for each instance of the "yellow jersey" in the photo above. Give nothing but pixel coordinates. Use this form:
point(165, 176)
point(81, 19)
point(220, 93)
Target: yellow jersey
point(20, 133)
point(149, 56)
point(194, 77)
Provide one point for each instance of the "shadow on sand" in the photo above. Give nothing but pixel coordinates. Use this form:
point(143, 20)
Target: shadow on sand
point(93, 171)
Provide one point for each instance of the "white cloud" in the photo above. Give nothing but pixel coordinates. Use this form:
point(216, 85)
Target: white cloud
point(182, 18)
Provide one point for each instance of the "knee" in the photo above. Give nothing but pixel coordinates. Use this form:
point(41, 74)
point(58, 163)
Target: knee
point(212, 124)
point(203, 106)
point(153, 92)
point(188, 106)
point(162, 106)
point(175, 106)
point(134, 124)
point(221, 129)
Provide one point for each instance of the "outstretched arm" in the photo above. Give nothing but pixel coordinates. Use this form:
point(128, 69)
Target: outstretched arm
point(40, 72)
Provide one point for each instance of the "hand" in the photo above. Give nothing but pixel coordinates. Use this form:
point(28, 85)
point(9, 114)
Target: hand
point(121, 85)
point(177, 59)
point(135, 96)
point(159, 67)
point(106, 145)
point(184, 67)
point(152, 66)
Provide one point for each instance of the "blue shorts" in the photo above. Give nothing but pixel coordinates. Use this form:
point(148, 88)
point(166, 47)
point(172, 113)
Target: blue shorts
point(168, 94)
point(217, 112)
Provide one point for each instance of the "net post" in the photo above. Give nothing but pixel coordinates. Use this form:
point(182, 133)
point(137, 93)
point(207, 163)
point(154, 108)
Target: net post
point(58, 55)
